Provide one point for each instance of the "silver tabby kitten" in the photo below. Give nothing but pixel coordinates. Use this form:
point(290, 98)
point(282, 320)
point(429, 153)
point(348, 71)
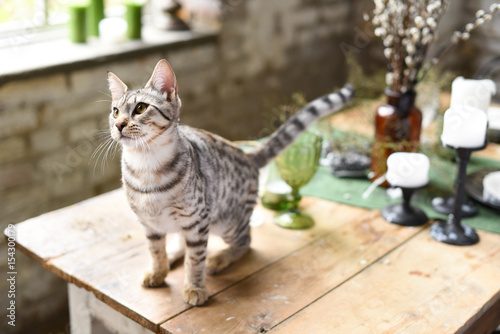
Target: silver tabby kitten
point(189, 181)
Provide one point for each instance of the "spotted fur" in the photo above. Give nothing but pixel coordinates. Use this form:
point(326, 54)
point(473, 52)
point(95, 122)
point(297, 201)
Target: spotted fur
point(191, 182)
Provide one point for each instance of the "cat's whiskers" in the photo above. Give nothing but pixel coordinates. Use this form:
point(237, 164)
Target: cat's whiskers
point(99, 147)
point(117, 146)
point(103, 147)
point(106, 155)
point(106, 94)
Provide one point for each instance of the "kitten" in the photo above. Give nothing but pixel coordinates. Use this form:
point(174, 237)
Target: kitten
point(185, 180)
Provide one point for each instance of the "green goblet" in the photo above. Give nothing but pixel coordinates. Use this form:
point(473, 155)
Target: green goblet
point(296, 166)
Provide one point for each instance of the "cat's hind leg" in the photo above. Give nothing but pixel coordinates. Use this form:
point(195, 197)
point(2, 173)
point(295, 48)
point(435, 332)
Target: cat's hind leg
point(239, 244)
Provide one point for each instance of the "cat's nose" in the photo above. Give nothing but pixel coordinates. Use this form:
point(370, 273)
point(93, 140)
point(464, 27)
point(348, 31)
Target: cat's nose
point(121, 125)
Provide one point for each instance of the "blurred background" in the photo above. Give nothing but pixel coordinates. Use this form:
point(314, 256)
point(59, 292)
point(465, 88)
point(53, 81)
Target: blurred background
point(243, 58)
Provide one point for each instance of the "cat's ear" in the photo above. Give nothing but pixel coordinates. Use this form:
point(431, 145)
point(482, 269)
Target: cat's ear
point(116, 86)
point(163, 79)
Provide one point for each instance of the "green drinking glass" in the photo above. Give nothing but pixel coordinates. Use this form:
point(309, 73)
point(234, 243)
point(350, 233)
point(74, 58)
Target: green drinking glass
point(296, 166)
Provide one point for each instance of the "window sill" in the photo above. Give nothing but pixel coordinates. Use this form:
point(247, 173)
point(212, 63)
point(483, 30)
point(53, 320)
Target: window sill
point(60, 55)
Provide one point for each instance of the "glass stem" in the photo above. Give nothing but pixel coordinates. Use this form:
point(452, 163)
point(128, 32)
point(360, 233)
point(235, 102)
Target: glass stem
point(294, 205)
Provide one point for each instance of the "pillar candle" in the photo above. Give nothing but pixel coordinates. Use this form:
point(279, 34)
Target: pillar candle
point(491, 187)
point(468, 93)
point(77, 24)
point(133, 16)
point(494, 118)
point(95, 14)
point(408, 170)
point(112, 30)
point(464, 128)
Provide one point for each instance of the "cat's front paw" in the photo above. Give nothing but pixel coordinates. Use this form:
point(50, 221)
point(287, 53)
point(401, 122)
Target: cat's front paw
point(153, 279)
point(195, 296)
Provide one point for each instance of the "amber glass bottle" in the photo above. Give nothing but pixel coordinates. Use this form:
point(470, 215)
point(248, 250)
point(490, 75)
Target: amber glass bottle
point(397, 129)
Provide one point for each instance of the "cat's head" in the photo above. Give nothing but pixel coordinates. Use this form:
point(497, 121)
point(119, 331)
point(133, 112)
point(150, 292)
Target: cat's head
point(145, 117)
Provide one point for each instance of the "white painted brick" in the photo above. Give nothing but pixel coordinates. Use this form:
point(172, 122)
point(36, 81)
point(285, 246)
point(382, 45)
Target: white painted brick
point(32, 92)
point(39, 293)
point(335, 12)
point(16, 174)
point(17, 121)
point(70, 159)
point(228, 89)
point(104, 173)
point(93, 108)
point(89, 82)
point(73, 183)
point(305, 16)
point(200, 82)
point(233, 48)
point(46, 140)
point(12, 148)
point(48, 164)
point(85, 130)
point(194, 58)
point(27, 200)
point(133, 73)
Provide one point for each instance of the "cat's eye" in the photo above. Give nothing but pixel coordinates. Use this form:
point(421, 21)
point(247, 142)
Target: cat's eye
point(116, 112)
point(140, 108)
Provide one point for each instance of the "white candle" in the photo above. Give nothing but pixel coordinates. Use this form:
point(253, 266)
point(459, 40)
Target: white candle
point(469, 93)
point(112, 30)
point(464, 128)
point(408, 170)
point(494, 118)
point(491, 187)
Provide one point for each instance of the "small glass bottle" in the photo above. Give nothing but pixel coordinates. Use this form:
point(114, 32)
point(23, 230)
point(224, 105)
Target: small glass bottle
point(398, 124)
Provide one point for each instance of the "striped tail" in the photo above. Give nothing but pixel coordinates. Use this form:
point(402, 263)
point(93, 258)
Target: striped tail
point(298, 123)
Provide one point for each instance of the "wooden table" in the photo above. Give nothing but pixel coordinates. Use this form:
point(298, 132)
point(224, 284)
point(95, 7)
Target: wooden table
point(352, 273)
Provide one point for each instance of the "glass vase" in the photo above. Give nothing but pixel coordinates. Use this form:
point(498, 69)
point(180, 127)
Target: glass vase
point(398, 124)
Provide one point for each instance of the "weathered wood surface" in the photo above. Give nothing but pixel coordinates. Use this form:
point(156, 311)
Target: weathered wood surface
point(421, 287)
point(263, 300)
point(74, 227)
point(352, 268)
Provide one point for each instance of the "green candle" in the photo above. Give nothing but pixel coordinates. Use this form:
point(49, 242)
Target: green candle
point(95, 13)
point(77, 25)
point(133, 17)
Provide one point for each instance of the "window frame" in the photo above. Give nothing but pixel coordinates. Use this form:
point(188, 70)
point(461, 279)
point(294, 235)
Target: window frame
point(40, 29)
point(35, 29)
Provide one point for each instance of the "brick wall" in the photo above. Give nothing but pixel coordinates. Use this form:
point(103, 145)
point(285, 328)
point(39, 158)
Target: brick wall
point(266, 50)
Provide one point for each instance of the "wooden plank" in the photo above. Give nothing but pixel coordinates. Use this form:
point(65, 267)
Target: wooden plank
point(486, 320)
point(112, 268)
point(74, 227)
point(265, 299)
point(422, 287)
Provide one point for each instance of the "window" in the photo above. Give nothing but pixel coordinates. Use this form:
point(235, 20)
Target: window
point(29, 16)
point(22, 21)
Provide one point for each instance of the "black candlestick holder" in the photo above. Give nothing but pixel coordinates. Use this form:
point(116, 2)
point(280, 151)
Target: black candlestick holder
point(405, 214)
point(445, 205)
point(453, 231)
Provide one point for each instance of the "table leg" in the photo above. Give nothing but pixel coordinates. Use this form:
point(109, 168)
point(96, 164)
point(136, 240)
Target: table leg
point(89, 315)
point(79, 311)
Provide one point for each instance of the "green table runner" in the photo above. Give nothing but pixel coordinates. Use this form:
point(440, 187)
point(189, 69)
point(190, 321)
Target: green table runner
point(442, 177)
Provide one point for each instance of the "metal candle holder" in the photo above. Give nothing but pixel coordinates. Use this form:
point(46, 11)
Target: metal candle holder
point(405, 214)
point(446, 205)
point(453, 231)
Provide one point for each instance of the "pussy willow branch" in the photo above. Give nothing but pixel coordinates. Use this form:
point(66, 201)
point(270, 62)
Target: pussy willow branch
point(451, 42)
